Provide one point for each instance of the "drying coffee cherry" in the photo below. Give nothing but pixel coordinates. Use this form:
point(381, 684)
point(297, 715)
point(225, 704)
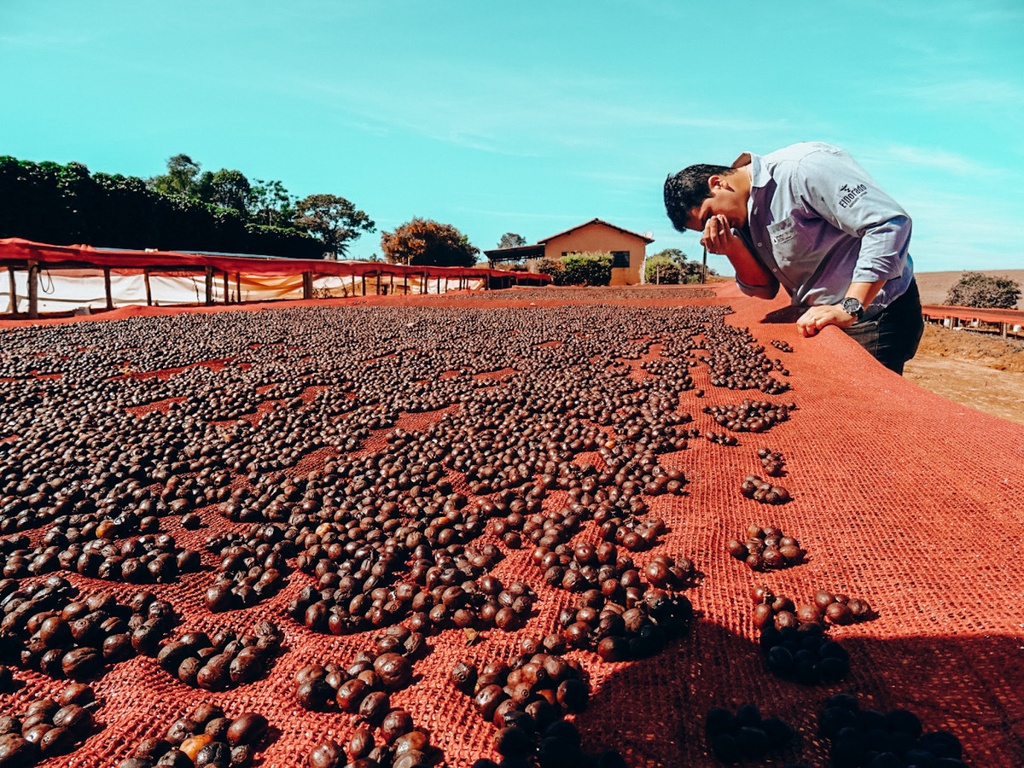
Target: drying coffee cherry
point(842, 609)
point(531, 693)
point(897, 738)
point(64, 634)
point(794, 641)
point(745, 735)
point(767, 548)
point(225, 661)
point(48, 727)
point(721, 438)
point(753, 487)
point(773, 462)
point(749, 416)
point(206, 738)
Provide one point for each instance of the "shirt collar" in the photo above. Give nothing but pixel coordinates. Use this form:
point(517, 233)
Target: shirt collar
point(759, 176)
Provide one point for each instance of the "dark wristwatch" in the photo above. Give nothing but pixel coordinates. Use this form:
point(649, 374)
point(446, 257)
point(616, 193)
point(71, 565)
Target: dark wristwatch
point(853, 307)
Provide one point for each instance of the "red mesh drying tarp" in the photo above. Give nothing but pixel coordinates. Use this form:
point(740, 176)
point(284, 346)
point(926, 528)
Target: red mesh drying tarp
point(901, 498)
point(941, 311)
point(17, 250)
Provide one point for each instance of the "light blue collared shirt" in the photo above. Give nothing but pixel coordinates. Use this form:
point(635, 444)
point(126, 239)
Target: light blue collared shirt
point(818, 222)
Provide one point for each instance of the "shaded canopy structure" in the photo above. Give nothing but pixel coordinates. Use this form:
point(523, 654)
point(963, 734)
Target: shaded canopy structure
point(53, 278)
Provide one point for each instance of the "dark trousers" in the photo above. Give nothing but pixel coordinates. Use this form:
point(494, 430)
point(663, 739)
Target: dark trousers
point(892, 336)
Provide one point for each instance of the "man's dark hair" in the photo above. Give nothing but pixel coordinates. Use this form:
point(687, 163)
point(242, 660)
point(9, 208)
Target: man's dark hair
point(687, 190)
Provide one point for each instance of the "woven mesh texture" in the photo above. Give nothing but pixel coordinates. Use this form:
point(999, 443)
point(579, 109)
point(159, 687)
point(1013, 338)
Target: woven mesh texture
point(900, 497)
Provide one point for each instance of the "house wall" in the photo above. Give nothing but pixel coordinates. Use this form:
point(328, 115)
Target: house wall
point(599, 238)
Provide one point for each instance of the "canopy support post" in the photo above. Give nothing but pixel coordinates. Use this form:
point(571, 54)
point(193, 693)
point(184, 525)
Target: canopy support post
point(14, 290)
point(107, 288)
point(33, 290)
point(209, 286)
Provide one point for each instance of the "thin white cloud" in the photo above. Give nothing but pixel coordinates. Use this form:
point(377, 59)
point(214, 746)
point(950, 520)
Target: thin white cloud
point(938, 159)
point(45, 42)
point(632, 180)
point(952, 232)
point(508, 214)
point(963, 13)
point(968, 93)
point(519, 113)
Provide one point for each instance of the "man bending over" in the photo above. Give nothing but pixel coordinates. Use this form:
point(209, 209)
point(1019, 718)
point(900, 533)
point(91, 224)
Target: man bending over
point(809, 218)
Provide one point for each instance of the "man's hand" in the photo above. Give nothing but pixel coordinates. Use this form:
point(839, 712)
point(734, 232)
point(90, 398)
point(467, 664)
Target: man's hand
point(816, 318)
point(718, 237)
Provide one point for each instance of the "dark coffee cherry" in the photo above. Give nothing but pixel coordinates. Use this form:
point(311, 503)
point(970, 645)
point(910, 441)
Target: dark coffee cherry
point(513, 742)
point(327, 754)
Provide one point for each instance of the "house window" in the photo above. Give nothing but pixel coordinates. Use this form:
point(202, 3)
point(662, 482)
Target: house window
point(620, 259)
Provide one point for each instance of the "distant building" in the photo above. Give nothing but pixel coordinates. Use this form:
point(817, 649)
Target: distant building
point(628, 249)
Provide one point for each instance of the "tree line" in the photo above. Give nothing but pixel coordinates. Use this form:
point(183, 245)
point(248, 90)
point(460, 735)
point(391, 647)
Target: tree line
point(191, 209)
point(185, 209)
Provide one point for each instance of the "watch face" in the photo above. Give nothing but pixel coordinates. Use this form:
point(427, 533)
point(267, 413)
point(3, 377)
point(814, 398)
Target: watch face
point(853, 307)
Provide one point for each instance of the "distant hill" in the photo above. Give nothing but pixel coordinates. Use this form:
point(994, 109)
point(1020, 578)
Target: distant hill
point(935, 285)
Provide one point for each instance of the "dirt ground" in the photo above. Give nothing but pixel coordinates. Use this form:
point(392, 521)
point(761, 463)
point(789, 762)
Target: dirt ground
point(972, 369)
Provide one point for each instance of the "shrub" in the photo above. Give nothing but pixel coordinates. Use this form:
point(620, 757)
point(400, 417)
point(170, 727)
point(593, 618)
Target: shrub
point(552, 267)
point(974, 289)
point(587, 269)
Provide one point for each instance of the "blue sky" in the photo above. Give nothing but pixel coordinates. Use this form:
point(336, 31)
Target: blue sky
point(533, 117)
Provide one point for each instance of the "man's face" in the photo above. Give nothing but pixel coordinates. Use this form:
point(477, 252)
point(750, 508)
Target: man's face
point(724, 200)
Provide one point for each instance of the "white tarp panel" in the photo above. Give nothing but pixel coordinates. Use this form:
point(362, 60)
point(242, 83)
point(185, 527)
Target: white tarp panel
point(65, 290)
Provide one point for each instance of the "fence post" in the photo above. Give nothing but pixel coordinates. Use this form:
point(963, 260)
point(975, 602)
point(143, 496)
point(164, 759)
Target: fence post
point(149, 289)
point(238, 287)
point(307, 285)
point(227, 294)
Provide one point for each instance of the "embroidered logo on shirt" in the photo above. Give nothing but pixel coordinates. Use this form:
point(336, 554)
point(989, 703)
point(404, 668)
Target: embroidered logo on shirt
point(781, 232)
point(852, 195)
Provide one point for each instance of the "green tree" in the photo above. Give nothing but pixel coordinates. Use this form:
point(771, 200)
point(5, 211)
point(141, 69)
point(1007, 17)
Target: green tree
point(671, 266)
point(64, 204)
point(428, 243)
point(587, 269)
point(226, 189)
point(511, 240)
point(665, 268)
point(272, 205)
point(333, 220)
point(974, 289)
point(182, 177)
